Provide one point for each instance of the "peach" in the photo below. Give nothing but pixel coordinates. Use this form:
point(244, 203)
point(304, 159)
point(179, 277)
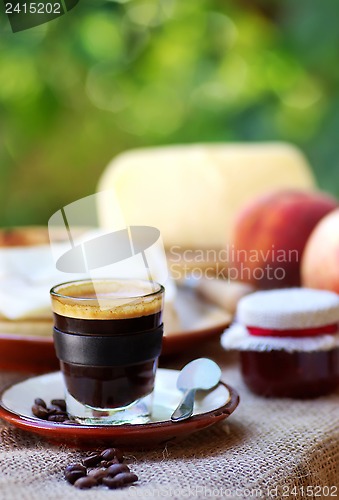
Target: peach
point(270, 233)
point(320, 260)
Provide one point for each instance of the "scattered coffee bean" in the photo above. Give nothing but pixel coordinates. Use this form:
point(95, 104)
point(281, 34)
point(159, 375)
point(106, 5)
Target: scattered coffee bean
point(74, 471)
point(105, 463)
point(91, 460)
point(72, 467)
point(115, 469)
point(74, 475)
point(98, 474)
point(56, 413)
point(40, 411)
point(119, 480)
point(95, 470)
point(51, 411)
point(85, 483)
point(112, 453)
point(57, 418)
point(40, 402)
point(60, 403)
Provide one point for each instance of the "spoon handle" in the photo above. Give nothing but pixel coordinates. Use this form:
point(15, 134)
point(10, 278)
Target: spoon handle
point(185, 407)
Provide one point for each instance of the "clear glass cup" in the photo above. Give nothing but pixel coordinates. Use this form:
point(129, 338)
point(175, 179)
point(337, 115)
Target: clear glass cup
point(107, 336)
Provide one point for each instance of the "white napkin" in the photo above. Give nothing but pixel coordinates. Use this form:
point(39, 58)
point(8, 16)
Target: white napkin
point(26, 276)
point(28, 273)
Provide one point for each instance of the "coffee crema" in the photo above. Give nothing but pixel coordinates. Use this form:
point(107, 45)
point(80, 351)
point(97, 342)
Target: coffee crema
point(107, 299)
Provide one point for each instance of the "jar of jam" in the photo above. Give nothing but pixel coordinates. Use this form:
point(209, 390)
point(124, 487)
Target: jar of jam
point(288, 341)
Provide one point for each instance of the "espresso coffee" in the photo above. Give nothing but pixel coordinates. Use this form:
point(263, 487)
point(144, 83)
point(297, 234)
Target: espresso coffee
point(108, 340)
point(109, 386)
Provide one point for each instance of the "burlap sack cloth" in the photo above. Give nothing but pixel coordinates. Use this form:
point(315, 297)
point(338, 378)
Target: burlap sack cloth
point(266, 449)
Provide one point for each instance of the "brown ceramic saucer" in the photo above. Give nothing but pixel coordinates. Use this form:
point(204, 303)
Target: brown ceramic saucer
point(16, 403)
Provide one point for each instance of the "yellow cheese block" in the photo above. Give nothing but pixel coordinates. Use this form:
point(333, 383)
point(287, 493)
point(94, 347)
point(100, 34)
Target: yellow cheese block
point(192, 192)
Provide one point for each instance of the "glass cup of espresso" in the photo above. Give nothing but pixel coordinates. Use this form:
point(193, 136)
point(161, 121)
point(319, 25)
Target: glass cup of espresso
point(107, 336)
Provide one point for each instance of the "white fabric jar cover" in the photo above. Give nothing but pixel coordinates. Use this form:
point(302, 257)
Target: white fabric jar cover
point(291, 319)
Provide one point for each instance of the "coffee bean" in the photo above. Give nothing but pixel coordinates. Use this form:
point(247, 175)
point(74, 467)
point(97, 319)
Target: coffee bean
point(51, 411)
point(119, 480)
point(57, 418)
point(61, 403)
point(108, 454)
point(91, 460)
point(105, 463)
point(56, 411)
point(74, 475)
point(40, 411)
point(72, 467)
point(115, 469)
point(98, 473)
point(40, 402)
point(111, 453)
point(85, 483)
point(95, 470)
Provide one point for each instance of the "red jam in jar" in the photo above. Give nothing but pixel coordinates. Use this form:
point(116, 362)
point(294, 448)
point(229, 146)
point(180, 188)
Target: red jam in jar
point(288, 341)
point(291, 374)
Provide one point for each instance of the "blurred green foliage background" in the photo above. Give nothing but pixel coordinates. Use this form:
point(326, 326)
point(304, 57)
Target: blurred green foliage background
point(113, 75)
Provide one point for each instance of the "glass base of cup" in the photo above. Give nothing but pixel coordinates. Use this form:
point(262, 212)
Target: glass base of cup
point(137, 412)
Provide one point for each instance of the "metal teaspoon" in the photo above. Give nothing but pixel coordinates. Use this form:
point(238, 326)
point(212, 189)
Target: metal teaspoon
point(202, 373)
